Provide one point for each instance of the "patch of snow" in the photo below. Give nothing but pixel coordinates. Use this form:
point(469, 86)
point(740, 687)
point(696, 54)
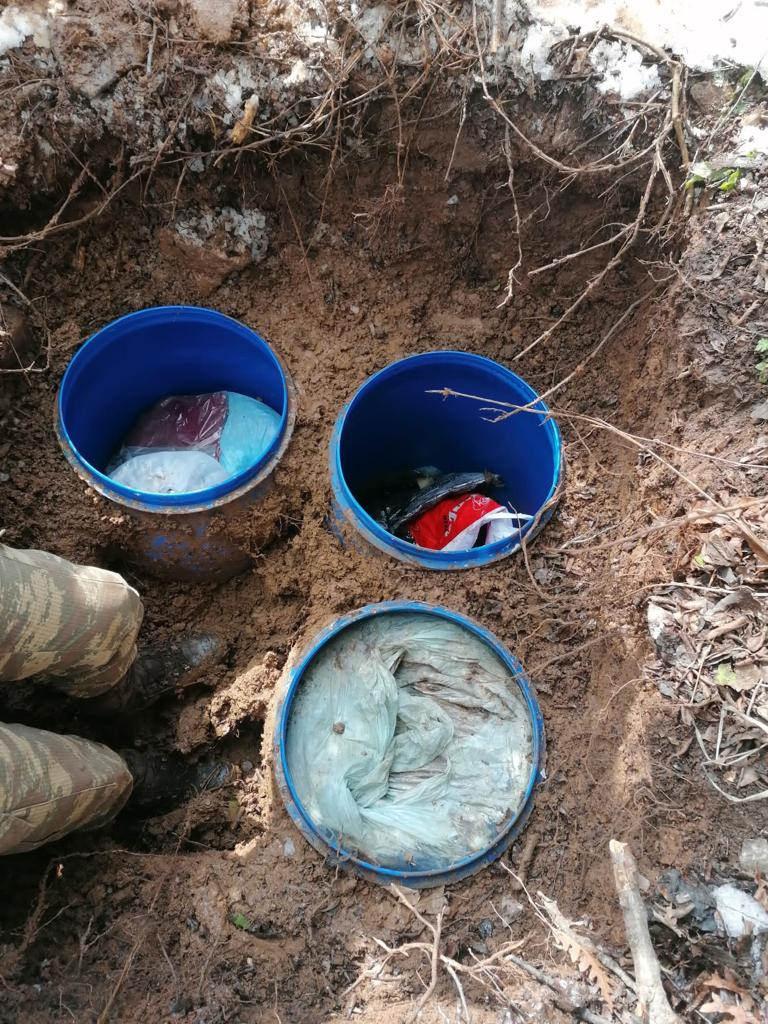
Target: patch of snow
point(310, 22)
point(371, 22)
point(752, 139)
point(289, 848)
point(659, 620)
point(299, 74)
point(17, 23)
point(702, 35)
point(539, 41)
point(754, 855)
point(623, 70)
point(244, 231)
point(232, 84)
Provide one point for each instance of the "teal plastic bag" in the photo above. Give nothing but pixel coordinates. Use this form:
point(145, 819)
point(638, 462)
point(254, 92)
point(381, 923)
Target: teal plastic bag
point(250, 429)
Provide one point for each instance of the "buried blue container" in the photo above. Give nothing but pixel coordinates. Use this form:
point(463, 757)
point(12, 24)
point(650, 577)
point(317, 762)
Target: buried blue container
point(396, 422)
point(400, 867)
point(127, 367)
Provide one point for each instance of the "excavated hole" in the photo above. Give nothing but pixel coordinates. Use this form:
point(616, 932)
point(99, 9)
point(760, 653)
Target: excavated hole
point(356, 277)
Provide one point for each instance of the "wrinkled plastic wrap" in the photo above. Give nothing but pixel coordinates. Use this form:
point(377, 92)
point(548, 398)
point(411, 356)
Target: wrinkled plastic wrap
point(175, 472)
point(409, 741)
point(187, 443)
point(181, 421)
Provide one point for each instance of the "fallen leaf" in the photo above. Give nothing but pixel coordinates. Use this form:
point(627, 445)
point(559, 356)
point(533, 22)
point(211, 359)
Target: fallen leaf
point(241, 921)
point(724, 674)
point(683, 747)
point(734, 1012)
point(748, 777)
point(431, 901)
point(747, 676)
point(759, 549)
point(720, 549)
point(727, 985)
point(579, 948)
point(742, 598)
point(756, 642)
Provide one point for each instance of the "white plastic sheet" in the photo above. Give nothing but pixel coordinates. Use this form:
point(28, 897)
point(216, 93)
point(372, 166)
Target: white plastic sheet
point(187, 443)
point(409, 741)
point(175, 472)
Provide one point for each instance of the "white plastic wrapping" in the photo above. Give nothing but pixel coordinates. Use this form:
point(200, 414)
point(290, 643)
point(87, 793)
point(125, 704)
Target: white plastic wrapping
point(409, 741)
point(177, 472)
point(187, 443)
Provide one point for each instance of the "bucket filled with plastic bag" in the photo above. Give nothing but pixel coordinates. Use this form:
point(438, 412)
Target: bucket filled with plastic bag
point(408, 744)
point(177, 414)
point(445, 460)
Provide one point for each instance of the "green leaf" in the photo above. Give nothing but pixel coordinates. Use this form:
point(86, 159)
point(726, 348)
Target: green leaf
point(761, 348)
point(731, 180)
point(724, 674)
point(702, 174)
point(762, 371)
point(241, 921)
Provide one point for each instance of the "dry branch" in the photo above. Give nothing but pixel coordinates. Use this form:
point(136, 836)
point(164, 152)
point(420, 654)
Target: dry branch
point(654, 1005)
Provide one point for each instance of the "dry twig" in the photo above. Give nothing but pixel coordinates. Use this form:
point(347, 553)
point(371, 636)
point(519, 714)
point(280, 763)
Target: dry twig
point(655, 1008)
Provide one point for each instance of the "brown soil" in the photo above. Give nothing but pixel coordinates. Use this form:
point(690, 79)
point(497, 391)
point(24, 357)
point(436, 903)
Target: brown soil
point(134, 923)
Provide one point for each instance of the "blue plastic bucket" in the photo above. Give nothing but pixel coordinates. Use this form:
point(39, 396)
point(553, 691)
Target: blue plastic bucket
point(134, 362)
point(325, 842)
point(393, 423)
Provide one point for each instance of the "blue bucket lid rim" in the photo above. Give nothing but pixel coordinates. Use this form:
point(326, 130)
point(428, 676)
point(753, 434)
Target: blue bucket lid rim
point(520, 677)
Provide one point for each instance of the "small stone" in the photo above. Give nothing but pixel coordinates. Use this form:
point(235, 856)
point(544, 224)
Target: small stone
point(17, 342)
point(453, 201)
point(180, 1006)
point(709, 96)
point(289, 848)
point(338, 728)
point(354, 310)
point(246, 767)
point(759, 412)
point(510, 909)
point(754, 856)
point(215, 19)
point(486, 928)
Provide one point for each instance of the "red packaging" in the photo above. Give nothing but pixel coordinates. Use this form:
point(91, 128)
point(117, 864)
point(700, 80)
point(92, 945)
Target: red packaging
point(447, 522)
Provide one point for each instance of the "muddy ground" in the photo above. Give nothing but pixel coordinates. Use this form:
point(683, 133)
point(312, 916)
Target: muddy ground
point(134, 923)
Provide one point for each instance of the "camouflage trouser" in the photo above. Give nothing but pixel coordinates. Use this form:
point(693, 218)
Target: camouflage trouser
point(75, 626)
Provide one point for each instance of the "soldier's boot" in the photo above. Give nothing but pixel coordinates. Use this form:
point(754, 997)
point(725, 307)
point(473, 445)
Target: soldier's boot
point(162, 781)
point(158, 671)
